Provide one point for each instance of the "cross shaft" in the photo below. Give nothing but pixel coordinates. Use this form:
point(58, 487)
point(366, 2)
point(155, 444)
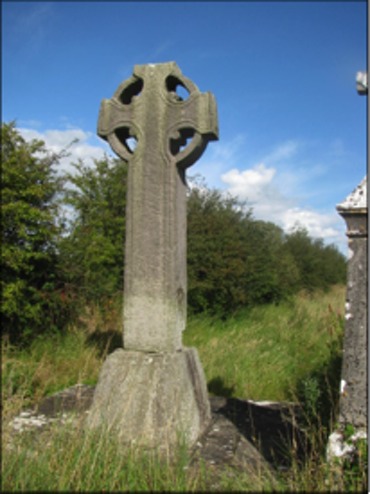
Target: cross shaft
point(147, 108)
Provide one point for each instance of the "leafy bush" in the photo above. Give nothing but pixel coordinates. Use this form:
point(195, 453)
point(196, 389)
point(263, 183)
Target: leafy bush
point(92, 250)
point(233, 260)
point(236, 261)
point(31, 292)
point(319, 266)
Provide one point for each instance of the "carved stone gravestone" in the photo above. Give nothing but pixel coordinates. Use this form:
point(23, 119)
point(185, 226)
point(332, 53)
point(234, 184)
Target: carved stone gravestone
point(154, 389)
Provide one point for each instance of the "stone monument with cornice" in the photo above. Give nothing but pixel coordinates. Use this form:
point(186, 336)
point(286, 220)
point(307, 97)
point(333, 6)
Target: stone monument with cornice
point(353, 401)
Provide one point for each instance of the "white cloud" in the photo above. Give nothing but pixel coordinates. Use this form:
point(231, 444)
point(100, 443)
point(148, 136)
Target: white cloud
point(273, 188)
point(86, 148)
point(219, 157)
point(252, 184)
point(319, 224)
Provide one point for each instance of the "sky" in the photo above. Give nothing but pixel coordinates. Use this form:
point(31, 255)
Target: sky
point(292, 127)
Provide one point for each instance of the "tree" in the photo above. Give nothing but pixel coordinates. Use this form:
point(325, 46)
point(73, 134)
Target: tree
point(236, 261)
point(216, 256)
point(333, 265)
point(31, 297)
point(319, 266)
point(92, 251)
point(233, 260)
point(278, 271)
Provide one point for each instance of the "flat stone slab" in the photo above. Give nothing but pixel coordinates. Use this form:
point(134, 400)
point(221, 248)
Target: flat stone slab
point(242, 428)
point(77, 398)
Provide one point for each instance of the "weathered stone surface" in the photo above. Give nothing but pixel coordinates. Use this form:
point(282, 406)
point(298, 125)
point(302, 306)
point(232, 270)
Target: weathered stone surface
point(74, 399)
point(150, 398)
point(353, 399)
point(153, 390)
point(148, 108)
point(272, 429)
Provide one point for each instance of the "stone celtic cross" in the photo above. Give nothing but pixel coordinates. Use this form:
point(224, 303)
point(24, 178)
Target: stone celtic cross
point(147, 108)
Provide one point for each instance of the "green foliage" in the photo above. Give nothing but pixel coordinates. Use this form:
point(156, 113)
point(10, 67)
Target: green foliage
point(318, 390)
point(236, 261)
point(49, 363)
point(92, 253)
point(354, 466)
point(215, 249)
point(233, 260)
point(319, 266)
point(31, 297)
point(210, 251)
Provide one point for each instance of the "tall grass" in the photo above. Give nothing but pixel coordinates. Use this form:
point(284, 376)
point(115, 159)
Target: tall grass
point(50, 364)
point(265, 353)
point(75, 461)
point(285, 352)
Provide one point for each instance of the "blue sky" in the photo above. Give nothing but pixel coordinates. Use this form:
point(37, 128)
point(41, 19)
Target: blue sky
point(292, 126)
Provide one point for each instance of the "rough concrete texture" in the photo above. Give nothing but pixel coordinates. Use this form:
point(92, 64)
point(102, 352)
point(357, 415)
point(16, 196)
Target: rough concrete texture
point(152, 399)
point(353, 399)
point(147, 107)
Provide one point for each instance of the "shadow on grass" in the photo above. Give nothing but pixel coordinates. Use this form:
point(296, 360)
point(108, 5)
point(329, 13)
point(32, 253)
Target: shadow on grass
point(105, 341)
point(217, 387)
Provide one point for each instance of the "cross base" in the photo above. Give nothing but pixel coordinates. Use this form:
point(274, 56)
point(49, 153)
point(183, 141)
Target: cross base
point(152, 399)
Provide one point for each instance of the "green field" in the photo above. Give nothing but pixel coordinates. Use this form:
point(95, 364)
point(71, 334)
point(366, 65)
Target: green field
point(286, 352)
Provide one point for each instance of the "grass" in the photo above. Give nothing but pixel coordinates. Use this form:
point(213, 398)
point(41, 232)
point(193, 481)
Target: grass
point(75, 461)
point(289, 352)
point(264, 353)
point(49, 365)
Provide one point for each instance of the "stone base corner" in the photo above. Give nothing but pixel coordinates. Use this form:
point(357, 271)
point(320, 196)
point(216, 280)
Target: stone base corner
point(152, 399)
